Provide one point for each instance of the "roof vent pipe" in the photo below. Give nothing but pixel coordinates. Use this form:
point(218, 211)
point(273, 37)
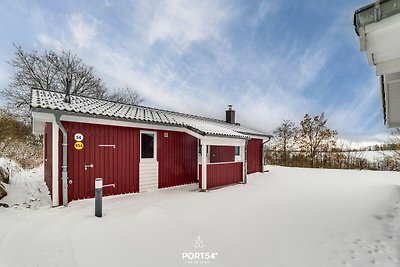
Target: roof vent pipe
point(67, 98)
point(230, 115)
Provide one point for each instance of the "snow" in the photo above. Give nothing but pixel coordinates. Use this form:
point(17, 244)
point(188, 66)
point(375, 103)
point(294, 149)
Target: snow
point(287, 217)
point(46, 100)
point(27, 188)
point(372, 156)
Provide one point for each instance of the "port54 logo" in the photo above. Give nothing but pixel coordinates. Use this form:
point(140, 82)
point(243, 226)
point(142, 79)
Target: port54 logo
point(200, 256)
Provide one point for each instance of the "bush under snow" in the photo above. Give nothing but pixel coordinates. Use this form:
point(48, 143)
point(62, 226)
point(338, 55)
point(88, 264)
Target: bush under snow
point(26, 187)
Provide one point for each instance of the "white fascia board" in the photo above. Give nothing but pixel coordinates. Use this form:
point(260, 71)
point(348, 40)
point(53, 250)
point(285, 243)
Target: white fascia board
point(374, 35)
point(48, 116)
point(258, 137)
point(383, 24)
point(388, 67)
point(221, 141)
point(43, 116)
point(85, 119)
point(39, 120)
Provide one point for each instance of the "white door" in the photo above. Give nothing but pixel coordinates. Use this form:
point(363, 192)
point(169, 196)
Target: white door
point(148, 166)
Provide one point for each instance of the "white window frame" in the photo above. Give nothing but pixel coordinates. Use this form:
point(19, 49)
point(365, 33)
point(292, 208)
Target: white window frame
point(238, 158)
point(238, 147)
point(154, 147)
point(208, 149)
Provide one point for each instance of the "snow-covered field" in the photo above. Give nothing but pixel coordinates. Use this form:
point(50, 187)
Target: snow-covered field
point(372, 156)
point(287, 217)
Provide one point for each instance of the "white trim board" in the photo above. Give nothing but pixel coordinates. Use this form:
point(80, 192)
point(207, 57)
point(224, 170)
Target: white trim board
point(220, 141)
point(154, 148)
point(55, 167)
point(148, 167)
point(211, 140)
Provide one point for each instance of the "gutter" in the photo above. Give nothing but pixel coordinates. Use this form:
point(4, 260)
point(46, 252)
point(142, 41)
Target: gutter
point(375, 12)
point(64, 166)
point(383, 95)
point(262, 152)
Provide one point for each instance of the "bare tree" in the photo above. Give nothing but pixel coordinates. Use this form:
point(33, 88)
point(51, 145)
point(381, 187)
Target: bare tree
point(284, 135)
point(316, 136)
point(392, 157)
point(125, 95)
point(49, 71)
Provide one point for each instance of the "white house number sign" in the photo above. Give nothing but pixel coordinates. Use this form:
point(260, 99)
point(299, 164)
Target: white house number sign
point(78, 137)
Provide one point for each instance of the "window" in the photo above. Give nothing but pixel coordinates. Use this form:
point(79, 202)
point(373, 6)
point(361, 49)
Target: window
point(200, 148)
point(237, 150)
point(147, 145)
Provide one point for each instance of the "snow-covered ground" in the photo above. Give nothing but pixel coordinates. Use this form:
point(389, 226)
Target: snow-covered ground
point(27, 188)
point(287, 217)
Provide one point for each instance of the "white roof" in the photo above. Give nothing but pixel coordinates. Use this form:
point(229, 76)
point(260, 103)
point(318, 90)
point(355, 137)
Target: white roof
point(49, 100)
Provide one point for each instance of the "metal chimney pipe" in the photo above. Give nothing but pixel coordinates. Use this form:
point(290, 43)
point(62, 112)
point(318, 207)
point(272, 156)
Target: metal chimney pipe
point(230, 115)
point(67, 98)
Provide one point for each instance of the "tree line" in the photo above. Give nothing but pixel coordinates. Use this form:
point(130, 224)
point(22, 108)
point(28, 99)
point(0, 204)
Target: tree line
point(313, 144)
point(308, 139)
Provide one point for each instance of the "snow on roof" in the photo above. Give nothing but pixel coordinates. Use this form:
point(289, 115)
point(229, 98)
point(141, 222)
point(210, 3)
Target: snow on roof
point(50, 100)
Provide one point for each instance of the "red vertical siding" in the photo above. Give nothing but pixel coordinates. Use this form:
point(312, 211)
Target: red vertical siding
point(119, 165)
point(222, 154)
point(177, 158)
point(48, 159)
point(223, 174)
point(176, 154)
point(254, 156)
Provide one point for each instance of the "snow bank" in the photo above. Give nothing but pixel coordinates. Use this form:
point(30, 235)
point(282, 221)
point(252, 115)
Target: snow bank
point(287, 217)
point(27, 188)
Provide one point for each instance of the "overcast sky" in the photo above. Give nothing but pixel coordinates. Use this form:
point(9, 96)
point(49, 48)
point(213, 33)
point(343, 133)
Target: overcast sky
point(272, 60)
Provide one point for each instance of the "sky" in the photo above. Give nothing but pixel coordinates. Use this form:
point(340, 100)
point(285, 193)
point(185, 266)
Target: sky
point(273, 59)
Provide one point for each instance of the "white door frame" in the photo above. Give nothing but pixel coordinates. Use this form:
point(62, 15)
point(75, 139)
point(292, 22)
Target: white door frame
point(148, 167)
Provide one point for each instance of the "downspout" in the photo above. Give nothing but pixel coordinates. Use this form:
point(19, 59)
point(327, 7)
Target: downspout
point(262, 152)
point(245, 161)
point(64, 175)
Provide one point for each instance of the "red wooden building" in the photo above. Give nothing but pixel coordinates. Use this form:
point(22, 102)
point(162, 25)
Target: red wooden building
point(137, 148)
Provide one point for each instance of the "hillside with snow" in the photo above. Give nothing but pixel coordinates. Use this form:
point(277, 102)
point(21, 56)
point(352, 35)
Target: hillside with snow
point(27, 188)
point(287, 217)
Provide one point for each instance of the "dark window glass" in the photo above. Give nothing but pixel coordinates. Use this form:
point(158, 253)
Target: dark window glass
point(237, 150)
point(147, 146)
point(200, 148)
